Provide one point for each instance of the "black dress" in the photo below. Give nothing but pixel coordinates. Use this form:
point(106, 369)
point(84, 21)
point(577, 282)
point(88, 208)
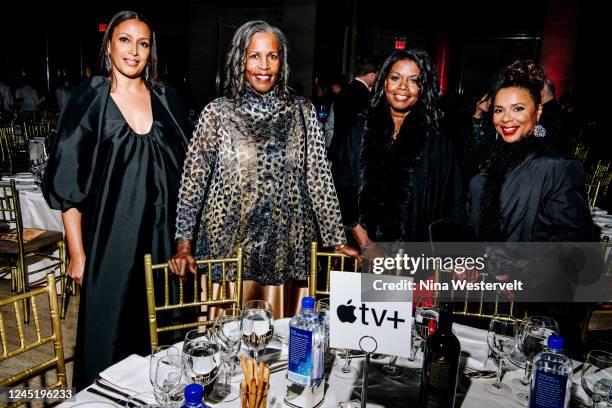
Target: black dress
point(125, 184)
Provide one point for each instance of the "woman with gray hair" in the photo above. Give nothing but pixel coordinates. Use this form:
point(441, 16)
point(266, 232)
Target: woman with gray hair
point(256, 176)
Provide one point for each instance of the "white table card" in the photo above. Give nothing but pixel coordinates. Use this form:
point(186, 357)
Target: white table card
point(351, 320)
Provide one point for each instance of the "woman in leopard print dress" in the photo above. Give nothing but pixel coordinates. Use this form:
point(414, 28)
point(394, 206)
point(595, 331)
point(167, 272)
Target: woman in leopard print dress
point(257, 176)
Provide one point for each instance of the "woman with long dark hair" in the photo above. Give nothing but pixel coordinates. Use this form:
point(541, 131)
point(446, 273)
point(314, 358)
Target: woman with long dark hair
point(256, 176)
point(410, 177)
point(114, 171)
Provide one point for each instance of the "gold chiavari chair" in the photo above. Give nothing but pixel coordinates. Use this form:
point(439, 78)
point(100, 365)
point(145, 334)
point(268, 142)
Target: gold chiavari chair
point(580, 151)
point(204, 272)
point(7, 153)
point(597, 181)
point(26, 346)
point(20, 244)
point(322, 262)
point(475, 308)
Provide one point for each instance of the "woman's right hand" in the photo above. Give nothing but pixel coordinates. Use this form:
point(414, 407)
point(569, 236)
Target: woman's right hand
point(76, 268)
point(182, 261)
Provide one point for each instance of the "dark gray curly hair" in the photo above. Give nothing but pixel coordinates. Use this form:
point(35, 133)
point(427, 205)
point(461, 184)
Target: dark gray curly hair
point(235, 64)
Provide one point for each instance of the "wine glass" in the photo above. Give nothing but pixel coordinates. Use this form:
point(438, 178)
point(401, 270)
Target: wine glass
point(157, 353)
point(257, 325)
point(229, 336)
point(202, 357)
point(501, 339)
point(169, 381)
point(531, 339)
point(597, 377)
point(546, 322)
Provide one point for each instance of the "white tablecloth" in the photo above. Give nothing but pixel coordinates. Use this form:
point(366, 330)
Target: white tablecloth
point(382, 392)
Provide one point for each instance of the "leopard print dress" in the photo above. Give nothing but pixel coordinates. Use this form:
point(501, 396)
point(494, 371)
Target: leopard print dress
point(254, 179)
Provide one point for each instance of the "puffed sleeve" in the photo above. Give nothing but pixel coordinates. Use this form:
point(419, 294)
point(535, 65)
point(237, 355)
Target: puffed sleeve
point(566, 214)
point(320, 185)
point(200, 161)
point(69, 178)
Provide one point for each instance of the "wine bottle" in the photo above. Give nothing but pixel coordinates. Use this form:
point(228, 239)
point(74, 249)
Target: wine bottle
point(441, 363)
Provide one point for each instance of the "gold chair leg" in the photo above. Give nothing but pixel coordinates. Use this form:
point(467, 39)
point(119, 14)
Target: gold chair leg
point(22, 282)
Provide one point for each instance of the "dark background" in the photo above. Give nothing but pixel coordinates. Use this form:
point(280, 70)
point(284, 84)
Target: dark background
point(479, 37)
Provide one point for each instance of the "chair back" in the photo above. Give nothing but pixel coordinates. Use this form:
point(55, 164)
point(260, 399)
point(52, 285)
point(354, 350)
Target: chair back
point(26, 346)
point(196, 302)
point(10, 212)
point(322, 262)
point(479, 308)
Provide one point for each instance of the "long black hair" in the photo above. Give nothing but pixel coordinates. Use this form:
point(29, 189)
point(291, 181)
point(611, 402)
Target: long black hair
point(149, 74)
point(429, 95)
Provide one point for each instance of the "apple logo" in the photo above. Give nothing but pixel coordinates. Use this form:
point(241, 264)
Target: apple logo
point(346, 313)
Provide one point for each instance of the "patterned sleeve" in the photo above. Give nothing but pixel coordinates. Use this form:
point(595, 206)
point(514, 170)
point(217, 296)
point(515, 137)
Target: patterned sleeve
point(198, 166)
point(320, 184)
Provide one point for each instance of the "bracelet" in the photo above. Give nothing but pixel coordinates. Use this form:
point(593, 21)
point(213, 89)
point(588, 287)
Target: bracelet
point(367, 245)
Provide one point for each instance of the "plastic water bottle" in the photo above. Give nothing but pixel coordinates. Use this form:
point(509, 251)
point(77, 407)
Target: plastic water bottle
point(306, 346)
point(551, 382)
point(193, 397)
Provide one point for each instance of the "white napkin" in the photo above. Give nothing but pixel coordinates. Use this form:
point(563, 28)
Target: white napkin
point(474, 347)
point(131, 375)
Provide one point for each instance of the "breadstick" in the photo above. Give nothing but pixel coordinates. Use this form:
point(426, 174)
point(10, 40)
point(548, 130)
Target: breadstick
point(261, 371)
point(264, 397)
point(254, 365)
point(267, 374)
point(245, 396)
point(243, 362)
point(259, 394)
point(252, 393)
point(250, 374)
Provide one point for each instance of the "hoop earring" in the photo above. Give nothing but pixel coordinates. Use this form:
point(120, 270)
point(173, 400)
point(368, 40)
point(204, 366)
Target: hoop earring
point(539, 131)
point(108, 65)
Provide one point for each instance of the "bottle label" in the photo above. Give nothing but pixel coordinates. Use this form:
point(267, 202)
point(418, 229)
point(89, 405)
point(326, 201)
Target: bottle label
point(439, 389)
point(305, 366)
point(548, 390)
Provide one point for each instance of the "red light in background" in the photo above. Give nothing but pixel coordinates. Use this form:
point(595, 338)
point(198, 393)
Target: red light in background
point(400, 44)
point(102, 27)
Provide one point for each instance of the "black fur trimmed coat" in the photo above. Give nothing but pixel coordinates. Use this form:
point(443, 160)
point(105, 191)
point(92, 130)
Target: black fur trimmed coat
point(409, 182)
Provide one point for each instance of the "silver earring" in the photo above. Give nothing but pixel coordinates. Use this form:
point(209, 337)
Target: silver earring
point(147, 73)
point(108, 65)
point(539, 131)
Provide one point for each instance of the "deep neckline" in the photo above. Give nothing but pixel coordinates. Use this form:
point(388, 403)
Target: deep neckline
point(127, 123)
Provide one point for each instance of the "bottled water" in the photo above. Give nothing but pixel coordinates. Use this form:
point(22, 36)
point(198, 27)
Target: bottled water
point(306, 346)
point(552, 377)
point(193, 397)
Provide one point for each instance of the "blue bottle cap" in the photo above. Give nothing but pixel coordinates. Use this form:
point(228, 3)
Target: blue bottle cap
point(308, 303)
point(193, 394)
point(555, 342)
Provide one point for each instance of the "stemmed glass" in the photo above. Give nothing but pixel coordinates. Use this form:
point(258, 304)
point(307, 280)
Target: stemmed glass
point(157, 353)
point(531, 339)
point(257, 325)
point(597, 377)
point(202, 357)
point(228, 334)
point(501, 339)
point(169, 381)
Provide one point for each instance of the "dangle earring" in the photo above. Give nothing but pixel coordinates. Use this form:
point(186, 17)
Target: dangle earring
point(539, 131)
point(108, 65)
point(147, 73)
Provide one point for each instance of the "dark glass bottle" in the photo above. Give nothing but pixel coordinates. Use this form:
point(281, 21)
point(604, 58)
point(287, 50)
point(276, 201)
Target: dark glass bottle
point(441, 363)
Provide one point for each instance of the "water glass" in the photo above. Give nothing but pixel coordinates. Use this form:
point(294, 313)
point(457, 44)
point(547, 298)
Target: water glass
point(229, 337)
point(596, 377)
point(501, 339)
point(202, 358)
point(169, 381)
point(257, 325)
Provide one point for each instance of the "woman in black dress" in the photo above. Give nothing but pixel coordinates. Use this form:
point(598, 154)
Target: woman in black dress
point(410, 177)
point(114, 171)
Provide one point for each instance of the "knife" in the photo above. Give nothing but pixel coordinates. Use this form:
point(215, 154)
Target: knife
point(116, 400)
point(116, 391)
